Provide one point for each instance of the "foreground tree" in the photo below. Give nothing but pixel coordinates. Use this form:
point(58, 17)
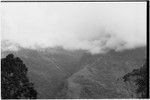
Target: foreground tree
point(141, 80)
point(14, 81)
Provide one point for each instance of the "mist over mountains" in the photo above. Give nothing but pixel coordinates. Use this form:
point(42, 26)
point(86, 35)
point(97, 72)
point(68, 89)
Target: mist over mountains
point(77, 50)
point(87, 26)
point(59, 73)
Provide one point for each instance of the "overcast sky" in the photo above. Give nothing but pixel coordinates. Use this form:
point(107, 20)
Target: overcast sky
point(93, 26)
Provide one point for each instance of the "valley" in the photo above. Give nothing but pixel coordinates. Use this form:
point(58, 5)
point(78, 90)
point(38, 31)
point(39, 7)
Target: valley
point(58, 73)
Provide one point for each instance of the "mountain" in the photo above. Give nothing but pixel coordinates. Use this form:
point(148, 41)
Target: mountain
point(103, 78)
point(59, 73)
point(47, 69)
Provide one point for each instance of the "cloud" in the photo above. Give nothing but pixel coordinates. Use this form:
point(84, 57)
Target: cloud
point(83, 25)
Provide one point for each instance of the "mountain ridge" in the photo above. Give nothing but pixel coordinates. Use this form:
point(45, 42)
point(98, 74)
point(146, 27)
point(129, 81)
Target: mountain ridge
point(49, 81)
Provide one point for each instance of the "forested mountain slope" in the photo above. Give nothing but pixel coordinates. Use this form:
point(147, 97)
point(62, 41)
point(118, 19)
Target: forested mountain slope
point(58, 73)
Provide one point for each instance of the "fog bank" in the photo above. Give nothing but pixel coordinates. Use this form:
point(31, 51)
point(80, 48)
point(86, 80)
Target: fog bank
point(92, 26)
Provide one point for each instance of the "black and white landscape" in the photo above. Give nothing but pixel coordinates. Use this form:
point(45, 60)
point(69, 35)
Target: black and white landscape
point(74, 50)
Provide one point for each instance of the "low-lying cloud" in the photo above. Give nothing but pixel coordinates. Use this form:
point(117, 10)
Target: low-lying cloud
point(83, 25)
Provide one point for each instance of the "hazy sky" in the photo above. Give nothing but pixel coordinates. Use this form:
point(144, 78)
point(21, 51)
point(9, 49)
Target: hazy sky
point(93, 26)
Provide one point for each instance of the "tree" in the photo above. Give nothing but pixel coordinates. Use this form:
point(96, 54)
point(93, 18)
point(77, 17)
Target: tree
point(14, 81)
point(141, 82)
point(141, 75)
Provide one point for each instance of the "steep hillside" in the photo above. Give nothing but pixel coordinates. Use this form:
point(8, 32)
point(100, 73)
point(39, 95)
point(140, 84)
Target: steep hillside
point(58, 73)
point(103, 78)
point(49, 70)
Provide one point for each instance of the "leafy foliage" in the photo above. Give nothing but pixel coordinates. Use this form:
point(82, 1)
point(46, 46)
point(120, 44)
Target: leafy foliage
point(15, 84)
point(140, 81)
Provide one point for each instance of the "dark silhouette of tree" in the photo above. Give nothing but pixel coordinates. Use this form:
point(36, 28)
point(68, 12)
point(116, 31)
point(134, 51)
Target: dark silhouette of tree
point(141, 80)
point(14, 81)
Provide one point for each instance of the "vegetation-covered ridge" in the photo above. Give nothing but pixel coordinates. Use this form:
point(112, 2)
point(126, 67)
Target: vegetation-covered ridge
point(80, 75)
